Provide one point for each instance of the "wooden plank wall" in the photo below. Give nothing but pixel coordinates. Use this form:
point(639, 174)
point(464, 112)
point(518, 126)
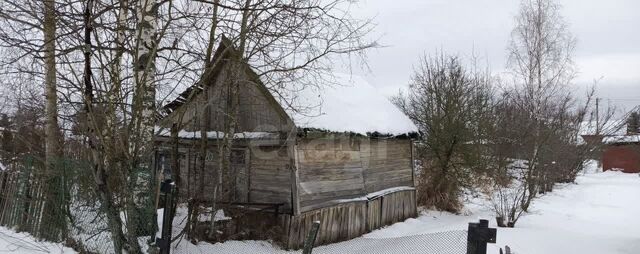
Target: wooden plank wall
point(340, 168)
point(397, 206)
point(270, 176)
point(374, 211)
point(257, 112)
point(349, 220)
point(329, 169)
point(387, 163)
point(192, 177)
point(337, 223)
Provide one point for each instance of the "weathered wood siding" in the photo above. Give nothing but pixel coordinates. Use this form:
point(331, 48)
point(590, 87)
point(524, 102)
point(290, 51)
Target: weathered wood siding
point(374, 213)
point(397, 207)
point(387, 163)
point(258, 110)
point(329, 170)
point(334, 169)
point(337, 223)
point(349, 220)
point(194, 182)
point(270, 176)
point(264, 178)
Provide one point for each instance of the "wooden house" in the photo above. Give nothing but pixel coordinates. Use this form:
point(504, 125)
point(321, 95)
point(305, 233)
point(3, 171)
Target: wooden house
point(340, 153)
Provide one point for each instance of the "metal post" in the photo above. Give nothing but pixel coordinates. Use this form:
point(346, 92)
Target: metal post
point(478, 235)
point(482, 242)
point(164, 243)
point(311, 238)
point(472, 238)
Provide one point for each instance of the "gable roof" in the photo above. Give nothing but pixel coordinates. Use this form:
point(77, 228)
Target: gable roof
point(346, 103)
point(222, 53)
point(349, 104)
point(621, 139)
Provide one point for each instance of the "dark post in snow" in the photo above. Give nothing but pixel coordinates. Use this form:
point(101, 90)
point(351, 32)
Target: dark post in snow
point(164, 242)
point(478, 235)
point(311, 238)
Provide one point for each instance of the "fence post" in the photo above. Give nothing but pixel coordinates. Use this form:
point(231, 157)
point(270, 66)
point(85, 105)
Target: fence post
point(164, 243)
point(311, 238)
point(478, 235)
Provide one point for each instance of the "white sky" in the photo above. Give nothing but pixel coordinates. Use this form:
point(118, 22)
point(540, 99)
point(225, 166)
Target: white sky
point(608, 34)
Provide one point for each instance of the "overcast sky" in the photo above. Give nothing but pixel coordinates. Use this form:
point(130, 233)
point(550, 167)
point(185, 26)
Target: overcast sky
point(608, 34)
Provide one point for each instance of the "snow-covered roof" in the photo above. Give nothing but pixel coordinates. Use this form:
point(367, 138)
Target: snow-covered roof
point(619, 139)
point(611, 127)
point(348, 104)
point(165, 132)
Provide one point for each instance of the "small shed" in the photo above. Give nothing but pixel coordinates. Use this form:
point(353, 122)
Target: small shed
point(621, 153)
point(340, 153)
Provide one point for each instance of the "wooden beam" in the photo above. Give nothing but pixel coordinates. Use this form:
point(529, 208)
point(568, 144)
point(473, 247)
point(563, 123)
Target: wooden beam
point(295, 183)
point(413, 162)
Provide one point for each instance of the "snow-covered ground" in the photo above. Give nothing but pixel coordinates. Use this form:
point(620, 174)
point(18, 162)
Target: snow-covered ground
point(600, 214)
point(21, 243)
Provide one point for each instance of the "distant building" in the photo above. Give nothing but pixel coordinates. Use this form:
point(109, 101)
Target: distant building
point(617, 146)
point(621, 153)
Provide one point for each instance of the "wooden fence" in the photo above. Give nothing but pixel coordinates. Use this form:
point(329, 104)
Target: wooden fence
point(22, 202)
point(350, 220)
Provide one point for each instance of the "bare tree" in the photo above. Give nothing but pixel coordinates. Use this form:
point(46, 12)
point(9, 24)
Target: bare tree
point(505, 200)
point(53, 142)
point(28, 39)
point(288, 44)
point(448, 103)
point(540, 58)
point(110, 58)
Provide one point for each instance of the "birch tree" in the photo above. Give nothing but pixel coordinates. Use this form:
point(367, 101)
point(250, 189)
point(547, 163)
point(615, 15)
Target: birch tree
point(145, 91)
point(541, 60)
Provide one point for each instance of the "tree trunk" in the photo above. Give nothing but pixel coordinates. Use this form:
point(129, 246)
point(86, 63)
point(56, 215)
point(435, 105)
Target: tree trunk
point(113, 216)
point(100, 175)
point(52, 131)
point(145, 76)
point(54, 202)
point(224, 191)
point(144, 108)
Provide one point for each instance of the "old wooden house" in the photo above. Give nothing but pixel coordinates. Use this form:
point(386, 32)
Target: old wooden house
point(340, 153)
